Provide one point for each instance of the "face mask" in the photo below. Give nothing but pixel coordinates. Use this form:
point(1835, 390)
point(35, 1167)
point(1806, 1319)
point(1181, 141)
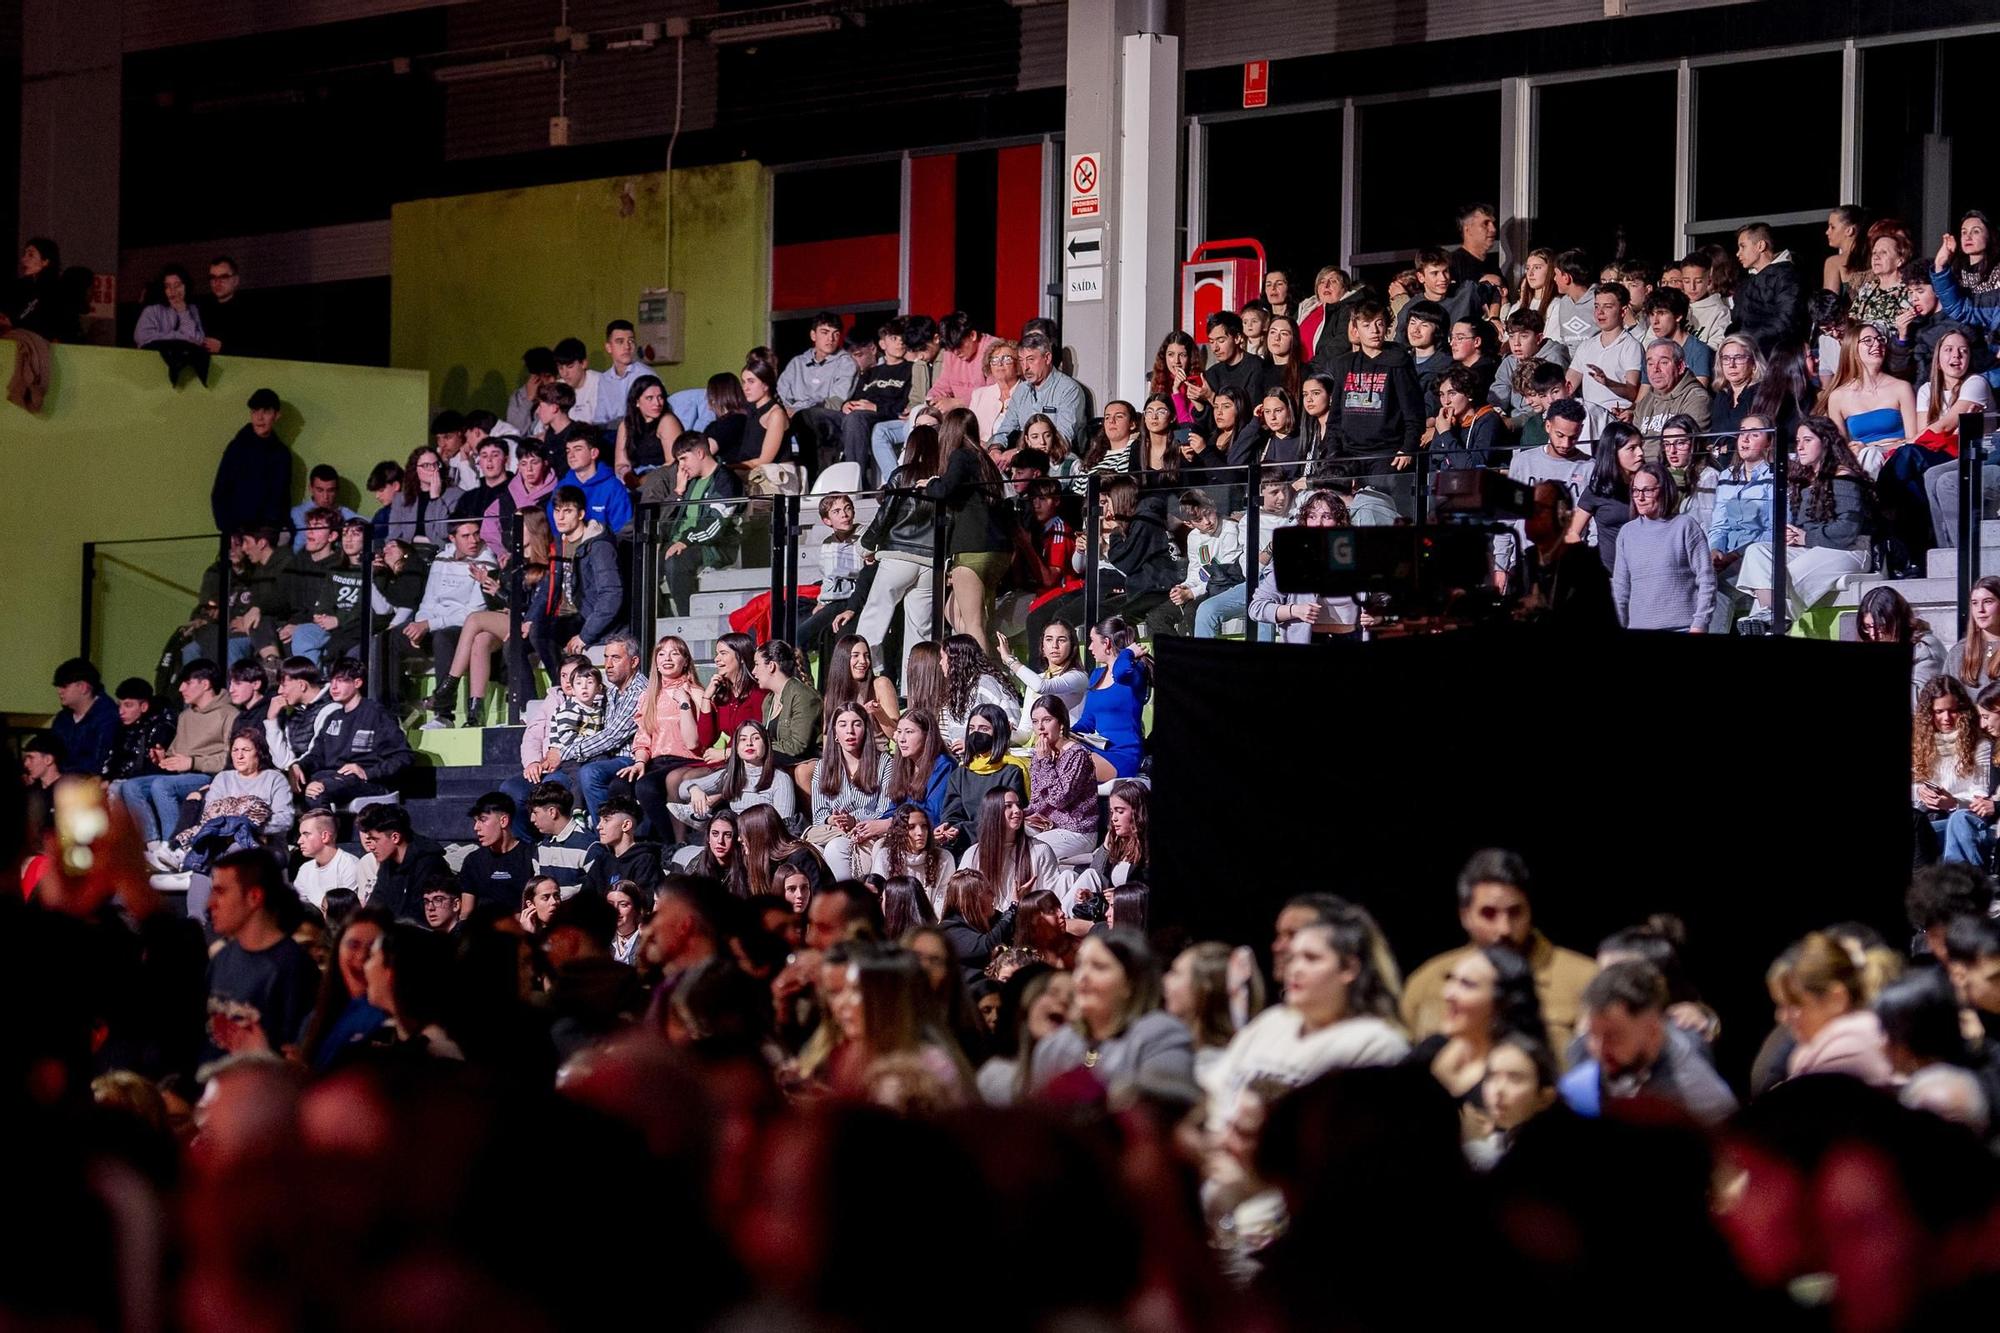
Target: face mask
point(979, 742)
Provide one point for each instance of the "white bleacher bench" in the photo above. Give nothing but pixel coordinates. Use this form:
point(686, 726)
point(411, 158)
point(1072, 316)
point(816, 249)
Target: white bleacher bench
point(360, 803)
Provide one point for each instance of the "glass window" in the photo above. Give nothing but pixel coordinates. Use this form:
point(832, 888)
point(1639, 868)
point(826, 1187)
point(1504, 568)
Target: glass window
point(1420, 160)
point(1277, 178)
point(1767, 136)
point(1604, 178)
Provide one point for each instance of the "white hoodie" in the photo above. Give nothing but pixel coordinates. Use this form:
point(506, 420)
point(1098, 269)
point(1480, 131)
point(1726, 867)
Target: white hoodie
point(450, 593)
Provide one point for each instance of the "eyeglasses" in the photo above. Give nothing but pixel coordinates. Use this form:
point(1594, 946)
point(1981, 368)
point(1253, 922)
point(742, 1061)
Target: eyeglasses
point(428, 462)
point(1645, 490)
point(1003, 360)
point(1734, 358)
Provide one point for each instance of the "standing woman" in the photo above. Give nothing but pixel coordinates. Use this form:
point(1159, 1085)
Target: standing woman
point(1119, 1031)
point(972, 491)
point(647, 433)
point(669, 730)
point(1606, 503)
point(1176, 365)
point(1848, 265)
point(1062, 784)
point(1318, 442)
point(850, 794)
point(1664, 578)
point(1062, 674)
point(852, 679)
point(171, 325)
point(901, 544)
point(1003, 371)
point(730, 699)
point(1827, 522)
point(1114, 707)
point(422, 512)
point(1006, 855)
point(922, 772)
point(1975, 659)
point(1952, 390)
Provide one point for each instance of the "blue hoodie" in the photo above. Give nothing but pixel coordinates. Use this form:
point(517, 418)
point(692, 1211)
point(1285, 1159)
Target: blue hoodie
point(606, 500)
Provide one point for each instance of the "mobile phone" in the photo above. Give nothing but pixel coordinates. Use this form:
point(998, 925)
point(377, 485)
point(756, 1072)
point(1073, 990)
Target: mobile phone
point(81, 819)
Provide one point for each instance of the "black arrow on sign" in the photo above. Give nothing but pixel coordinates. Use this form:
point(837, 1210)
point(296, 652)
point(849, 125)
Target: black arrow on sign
point(1077, 246)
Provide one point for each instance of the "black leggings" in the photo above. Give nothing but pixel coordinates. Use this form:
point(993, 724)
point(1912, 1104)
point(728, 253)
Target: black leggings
point(653, 789)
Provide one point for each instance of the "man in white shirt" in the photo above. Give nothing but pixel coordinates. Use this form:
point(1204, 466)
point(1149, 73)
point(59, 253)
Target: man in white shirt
point(573, 369)
point(326, 866)
point(1604, 370)
point(614, 386)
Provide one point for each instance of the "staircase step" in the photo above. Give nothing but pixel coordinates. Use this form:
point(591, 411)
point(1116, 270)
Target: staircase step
point(1917, 592)
point(1942, 561)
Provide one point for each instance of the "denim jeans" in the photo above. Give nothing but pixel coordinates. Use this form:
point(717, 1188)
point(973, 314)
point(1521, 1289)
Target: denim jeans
point(155, 802)
point(886, 443)
point(596, 778)
point(197, 648)
point(1229, 604)
point(1966, 838)
point(309, 641)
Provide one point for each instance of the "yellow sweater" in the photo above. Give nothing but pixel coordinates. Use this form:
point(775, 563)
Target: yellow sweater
point(1560, 976)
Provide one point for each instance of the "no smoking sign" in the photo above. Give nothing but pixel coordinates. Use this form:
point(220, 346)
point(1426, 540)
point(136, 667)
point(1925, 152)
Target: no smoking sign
point(1085, 175)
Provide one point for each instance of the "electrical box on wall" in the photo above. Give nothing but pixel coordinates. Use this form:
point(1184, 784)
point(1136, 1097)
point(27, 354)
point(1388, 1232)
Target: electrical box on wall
point(558, 131)
point(662, 326)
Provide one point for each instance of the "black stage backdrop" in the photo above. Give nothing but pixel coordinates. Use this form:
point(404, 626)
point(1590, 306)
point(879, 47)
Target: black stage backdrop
point(1756, 788)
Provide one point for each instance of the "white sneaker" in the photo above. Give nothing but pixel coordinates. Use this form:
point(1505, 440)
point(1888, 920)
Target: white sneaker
point(435, 724)
point(156, 854)
point(173, 883)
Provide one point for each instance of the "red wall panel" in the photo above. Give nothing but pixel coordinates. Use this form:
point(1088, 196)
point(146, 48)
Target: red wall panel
point(856, 270)
point(1017, 260)
point(933, 234)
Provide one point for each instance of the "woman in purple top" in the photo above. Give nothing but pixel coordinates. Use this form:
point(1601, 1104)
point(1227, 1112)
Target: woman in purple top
point(1063, 783)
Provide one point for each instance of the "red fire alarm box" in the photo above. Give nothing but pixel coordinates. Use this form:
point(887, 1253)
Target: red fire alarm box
point(1216, 278)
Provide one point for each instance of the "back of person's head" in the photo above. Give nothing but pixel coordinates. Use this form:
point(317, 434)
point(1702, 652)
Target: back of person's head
point(1967, 939)
point(854, 905)
point(1941, 892)
point(1920, 1014)
point(1141, 967)
point(1635, 985)
point(590, 915)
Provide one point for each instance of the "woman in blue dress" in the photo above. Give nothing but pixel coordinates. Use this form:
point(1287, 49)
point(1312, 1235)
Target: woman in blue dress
point(1114, 706)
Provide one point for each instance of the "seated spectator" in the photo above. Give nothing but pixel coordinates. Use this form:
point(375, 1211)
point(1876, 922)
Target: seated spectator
point(972, 678)
point(1063, 781)
point(1975, 659)
point(456, 586)
point(1953, 388)
point(1114, 705)
point(1136, 565)
point(564, 849)
point(1950, 771)
point(1635, 1052)
point(616, 383)
point(1000, 365)
point(39, 301)
point(250, 790)
point(1884, 617)
point(421, 512)
point(1685, 453)
point(581, 600)
point(1043, 390)
point(1520, 1084)
point(1525, 344)
point(297, 713)
point(359, 752)
point(1827, 535)
point(496, 870)
point(1670, 390)
point(1664, 578)
point(984, 766)
point(42, 760)
point(702, 522)
point(1742, 514)
point(1933, 1064)
point(319, 586)
point(751, 777)
point(625, 856)
point(538, 367)
point(1467, 428)
point(573, 372)
point(598, 751)
point(1214, 564)
point(253, 478)
point(171, 325)
point(1565, 424)
point(850, 800)
point(879, 395)
point(841, 569)
point(1119, 1033)
point(1124, 857)
point(145, 724)
point(1494, 909)
point(718, 855)
point(911, 848)
point(1489, 995)
point(200, 749)
point(1012, 861)
point(814, 386)
point(921, 774)
point(405, 861)
point(261, 981)
point(1666, 318)
point(322, 492)
point(1561, 581)
point(1303, 615)
point(325, 866)
point(606, 501)
point(1338, 1012)
point(87, 722)
point(668, 733)
point(791, 706)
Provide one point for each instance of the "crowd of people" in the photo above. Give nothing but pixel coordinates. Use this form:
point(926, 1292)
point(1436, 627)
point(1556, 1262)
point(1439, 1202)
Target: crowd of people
point(759, 934)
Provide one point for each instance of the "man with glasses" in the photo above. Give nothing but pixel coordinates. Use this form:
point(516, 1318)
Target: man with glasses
point(228, 316)
point(1044, 389)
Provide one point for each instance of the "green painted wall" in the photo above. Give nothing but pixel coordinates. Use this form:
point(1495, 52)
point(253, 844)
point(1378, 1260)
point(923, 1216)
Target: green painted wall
point(116, 453)
point(477, 279)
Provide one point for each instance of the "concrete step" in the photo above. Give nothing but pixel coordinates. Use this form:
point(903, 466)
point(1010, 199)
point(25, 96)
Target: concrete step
point(1917, 592)
point(1942, 561)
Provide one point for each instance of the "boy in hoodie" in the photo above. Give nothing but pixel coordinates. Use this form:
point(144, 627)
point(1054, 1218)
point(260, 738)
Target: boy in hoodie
point(456, 586)
point(606, 499)
point(359, 751)
point(253, 480)
point(625, 857)
point(144, 725)
point(334, 629)
point(1379, 410)
point(305, 579)
point(577, 606)
point(1708, 313)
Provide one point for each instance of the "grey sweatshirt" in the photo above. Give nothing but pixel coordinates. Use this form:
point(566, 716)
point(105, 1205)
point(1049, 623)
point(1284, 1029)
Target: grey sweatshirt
point(1664, 579)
